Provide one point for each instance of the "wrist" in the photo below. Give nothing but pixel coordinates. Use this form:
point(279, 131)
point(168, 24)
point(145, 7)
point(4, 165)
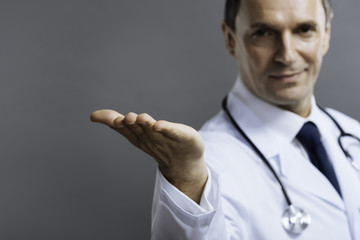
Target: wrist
point(190, 177)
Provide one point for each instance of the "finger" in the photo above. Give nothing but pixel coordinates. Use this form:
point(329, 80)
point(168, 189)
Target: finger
point(161, 125)
point(129, 135)
point(105, 116)
point(130, 118)
point(147, 123)
point(131, 123)
point(119, 122)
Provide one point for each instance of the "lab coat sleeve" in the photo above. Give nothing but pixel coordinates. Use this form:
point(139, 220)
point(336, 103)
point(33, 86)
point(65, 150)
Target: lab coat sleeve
point(175, 216)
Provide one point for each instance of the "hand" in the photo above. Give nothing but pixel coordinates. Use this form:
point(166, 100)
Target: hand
point(177, 148)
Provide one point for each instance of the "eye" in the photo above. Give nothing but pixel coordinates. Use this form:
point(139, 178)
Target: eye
point(306, 30)
point(263, 32)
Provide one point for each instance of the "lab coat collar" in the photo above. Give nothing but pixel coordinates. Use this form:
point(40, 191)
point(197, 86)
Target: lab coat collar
point(285, 123)
point(282, 125)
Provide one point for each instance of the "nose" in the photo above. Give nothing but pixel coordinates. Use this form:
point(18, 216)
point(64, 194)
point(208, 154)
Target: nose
point(286, 50)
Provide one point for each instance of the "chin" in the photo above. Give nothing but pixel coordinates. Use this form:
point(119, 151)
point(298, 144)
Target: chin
point(289, 98)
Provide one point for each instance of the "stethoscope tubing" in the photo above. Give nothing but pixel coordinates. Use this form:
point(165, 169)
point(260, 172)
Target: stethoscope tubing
point(258, 152)
point(342, 133)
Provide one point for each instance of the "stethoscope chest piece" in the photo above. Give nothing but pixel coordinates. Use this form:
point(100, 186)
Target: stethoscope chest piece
point(295, 220)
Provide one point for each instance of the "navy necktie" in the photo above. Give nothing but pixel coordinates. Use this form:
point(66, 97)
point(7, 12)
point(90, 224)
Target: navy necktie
point(309, 137)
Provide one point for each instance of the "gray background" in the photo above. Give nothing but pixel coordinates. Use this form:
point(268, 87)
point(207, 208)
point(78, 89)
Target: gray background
point(63, 177)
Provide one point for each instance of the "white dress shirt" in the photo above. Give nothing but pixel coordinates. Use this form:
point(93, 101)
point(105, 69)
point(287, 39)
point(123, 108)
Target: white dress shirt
point(242, 199)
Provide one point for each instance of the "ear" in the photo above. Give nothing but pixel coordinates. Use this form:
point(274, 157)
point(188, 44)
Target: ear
point(326, 43)
point(229, 38)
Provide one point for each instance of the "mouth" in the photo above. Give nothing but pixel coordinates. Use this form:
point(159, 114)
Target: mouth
point(287, 76)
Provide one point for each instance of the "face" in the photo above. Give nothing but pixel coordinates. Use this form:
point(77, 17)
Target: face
point(279, 46)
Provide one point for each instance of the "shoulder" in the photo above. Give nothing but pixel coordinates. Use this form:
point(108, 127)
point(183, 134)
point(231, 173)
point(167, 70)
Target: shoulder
point(217, 123)
point(346, 122)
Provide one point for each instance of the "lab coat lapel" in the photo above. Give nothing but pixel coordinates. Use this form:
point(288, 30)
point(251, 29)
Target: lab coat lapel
point(304, 176)
point(349, 182)
point(350, 188)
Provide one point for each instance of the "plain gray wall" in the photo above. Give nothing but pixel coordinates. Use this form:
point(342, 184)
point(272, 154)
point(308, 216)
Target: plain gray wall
point(63, 177)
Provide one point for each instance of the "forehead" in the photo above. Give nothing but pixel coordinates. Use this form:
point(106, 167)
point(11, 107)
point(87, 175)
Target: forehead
point(281, 11)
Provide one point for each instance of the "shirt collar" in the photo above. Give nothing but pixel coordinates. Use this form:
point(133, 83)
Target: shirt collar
point(282, 123)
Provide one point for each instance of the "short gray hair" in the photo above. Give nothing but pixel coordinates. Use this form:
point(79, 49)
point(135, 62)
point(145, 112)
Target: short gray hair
point(232, 9)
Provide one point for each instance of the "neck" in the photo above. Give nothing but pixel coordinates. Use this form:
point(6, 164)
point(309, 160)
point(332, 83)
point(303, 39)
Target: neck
point(302, 109)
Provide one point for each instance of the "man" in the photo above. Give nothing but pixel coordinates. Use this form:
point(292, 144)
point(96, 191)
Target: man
point(227, 191)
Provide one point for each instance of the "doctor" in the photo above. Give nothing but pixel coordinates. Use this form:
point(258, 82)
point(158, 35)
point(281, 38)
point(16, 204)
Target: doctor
point(225, 182)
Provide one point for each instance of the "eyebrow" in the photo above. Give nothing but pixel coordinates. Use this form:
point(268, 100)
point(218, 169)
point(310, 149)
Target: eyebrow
point(272, 26)
point(261, 25)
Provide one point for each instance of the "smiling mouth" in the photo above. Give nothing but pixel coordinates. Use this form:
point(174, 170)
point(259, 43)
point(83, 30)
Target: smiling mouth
point(287, 77)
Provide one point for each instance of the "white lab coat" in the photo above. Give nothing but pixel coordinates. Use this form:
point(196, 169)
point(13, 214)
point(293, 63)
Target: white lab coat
point(243, 200)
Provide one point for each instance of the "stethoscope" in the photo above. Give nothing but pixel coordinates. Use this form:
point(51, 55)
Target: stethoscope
point(294, 219)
